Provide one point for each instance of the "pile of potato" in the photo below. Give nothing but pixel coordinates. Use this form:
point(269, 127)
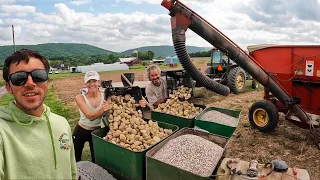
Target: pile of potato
point(179, 108)
point(183, 93)
point(128, 129)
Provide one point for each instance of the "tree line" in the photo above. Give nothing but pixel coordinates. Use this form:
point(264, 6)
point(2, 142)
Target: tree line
point(106, 59)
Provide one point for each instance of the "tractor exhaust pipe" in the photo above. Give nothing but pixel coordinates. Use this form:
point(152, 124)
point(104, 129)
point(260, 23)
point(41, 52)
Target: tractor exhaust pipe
point(183, 18)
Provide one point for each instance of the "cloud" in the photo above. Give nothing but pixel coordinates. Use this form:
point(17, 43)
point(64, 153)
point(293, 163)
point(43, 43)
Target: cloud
point(246, 22)
point(7, 1)
point(81, 2)
point(17, 10)
point(115, 32)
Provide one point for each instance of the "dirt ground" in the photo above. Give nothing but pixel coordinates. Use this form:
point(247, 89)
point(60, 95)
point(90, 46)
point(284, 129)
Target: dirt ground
point(288, 142)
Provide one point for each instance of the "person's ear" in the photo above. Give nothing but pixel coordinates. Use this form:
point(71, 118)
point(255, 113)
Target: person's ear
point(8, 87)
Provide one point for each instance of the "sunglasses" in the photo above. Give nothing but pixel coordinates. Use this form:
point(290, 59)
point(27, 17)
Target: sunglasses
point(20, 78)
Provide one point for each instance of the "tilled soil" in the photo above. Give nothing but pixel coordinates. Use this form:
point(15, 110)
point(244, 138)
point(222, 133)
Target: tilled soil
point(68, 88)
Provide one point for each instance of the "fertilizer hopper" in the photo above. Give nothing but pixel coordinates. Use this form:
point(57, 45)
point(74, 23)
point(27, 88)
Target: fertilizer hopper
point(296, 68)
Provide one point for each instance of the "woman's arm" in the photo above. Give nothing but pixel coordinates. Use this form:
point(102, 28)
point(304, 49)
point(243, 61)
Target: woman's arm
point(86, 111)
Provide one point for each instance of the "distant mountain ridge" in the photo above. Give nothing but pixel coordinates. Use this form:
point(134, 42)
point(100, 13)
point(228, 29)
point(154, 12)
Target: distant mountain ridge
point(57, 50)
point(165, 50)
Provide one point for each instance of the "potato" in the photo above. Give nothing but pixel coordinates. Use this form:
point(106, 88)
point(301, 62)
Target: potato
point(126, 145)
point(156, 138)
point(146, 146)
point(109, 137)
point(140, 138)
point(168, 131)
point(122, 137)
point(129, 130)
point(160, 135)
point(127, 97)
point(117, 133)
point(133, 146)
point(137, 143)
point(122, 144)
point(153, 142)
point(138, 148)
point(134, 131)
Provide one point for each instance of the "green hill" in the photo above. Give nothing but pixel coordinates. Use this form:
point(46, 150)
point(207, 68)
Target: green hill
point(165, 50)
point(55, 50)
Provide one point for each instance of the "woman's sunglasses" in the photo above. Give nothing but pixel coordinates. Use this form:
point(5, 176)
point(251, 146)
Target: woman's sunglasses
point(20, 78)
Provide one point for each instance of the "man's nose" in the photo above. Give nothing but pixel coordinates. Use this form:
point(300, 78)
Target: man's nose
point(30, 81)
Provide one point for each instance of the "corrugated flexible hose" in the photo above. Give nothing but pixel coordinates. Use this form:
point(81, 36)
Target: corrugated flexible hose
point(203, 80)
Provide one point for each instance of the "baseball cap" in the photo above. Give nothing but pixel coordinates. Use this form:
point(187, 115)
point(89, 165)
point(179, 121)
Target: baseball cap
point(91, 75)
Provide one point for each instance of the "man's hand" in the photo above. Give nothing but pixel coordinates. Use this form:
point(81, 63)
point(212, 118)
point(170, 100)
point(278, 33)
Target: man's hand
point(105, 106)
point(143, 103)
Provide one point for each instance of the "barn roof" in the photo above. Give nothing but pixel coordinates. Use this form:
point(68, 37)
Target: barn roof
point(130, 59)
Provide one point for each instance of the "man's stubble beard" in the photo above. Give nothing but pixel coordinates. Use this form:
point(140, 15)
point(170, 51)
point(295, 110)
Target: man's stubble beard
point(32, 108)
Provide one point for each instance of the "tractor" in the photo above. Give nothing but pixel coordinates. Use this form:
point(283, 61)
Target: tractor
point(222, 69)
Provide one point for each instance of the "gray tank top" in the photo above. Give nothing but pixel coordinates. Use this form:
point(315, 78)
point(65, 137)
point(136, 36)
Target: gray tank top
point(84, 120)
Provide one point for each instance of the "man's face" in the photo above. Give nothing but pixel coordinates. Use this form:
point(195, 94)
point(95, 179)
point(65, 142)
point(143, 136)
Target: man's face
point(154, 77)
point(30, 96)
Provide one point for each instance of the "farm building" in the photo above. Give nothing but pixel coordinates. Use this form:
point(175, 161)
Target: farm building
point(158, 60)
point(171, 60)
point(130, 61)
point(99, 67)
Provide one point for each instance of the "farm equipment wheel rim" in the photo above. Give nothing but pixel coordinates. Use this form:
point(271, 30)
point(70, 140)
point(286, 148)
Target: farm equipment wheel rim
point(240, 80)
point(260, 117)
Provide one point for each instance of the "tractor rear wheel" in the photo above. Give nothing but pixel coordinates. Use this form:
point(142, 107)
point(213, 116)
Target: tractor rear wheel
point(236, 80)
point(264, 116)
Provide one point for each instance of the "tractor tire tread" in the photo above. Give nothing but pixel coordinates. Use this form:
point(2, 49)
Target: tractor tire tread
point(272, 112)
point(232, 80)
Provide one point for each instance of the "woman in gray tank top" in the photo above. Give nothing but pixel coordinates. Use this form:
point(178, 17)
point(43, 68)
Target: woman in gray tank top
point(92, 106)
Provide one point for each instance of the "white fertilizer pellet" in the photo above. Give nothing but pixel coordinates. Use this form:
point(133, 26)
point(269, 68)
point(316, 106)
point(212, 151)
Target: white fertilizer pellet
point(191, 153)
point(220, 118)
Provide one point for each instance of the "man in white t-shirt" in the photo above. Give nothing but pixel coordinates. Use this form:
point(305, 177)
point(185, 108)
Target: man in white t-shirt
point(156, 90)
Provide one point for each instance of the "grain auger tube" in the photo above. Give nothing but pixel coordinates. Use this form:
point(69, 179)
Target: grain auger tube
point(183, 18)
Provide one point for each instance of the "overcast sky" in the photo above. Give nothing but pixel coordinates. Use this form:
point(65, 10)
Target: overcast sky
point(118, 25)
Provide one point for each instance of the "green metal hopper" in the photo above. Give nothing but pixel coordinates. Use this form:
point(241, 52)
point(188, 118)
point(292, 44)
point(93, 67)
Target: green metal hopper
point(176, 120)
point(120, 162)
point(157, 170)
point(216, 128)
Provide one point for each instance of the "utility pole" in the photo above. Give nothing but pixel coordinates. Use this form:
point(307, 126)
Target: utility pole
point(14, 44)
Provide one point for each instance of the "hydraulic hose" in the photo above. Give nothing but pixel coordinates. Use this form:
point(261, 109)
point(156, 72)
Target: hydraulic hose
point(181, 51)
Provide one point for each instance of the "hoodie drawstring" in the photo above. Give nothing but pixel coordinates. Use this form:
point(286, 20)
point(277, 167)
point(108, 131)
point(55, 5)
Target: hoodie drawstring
point(50, 131)
point(52, 141)
point(17, 121)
